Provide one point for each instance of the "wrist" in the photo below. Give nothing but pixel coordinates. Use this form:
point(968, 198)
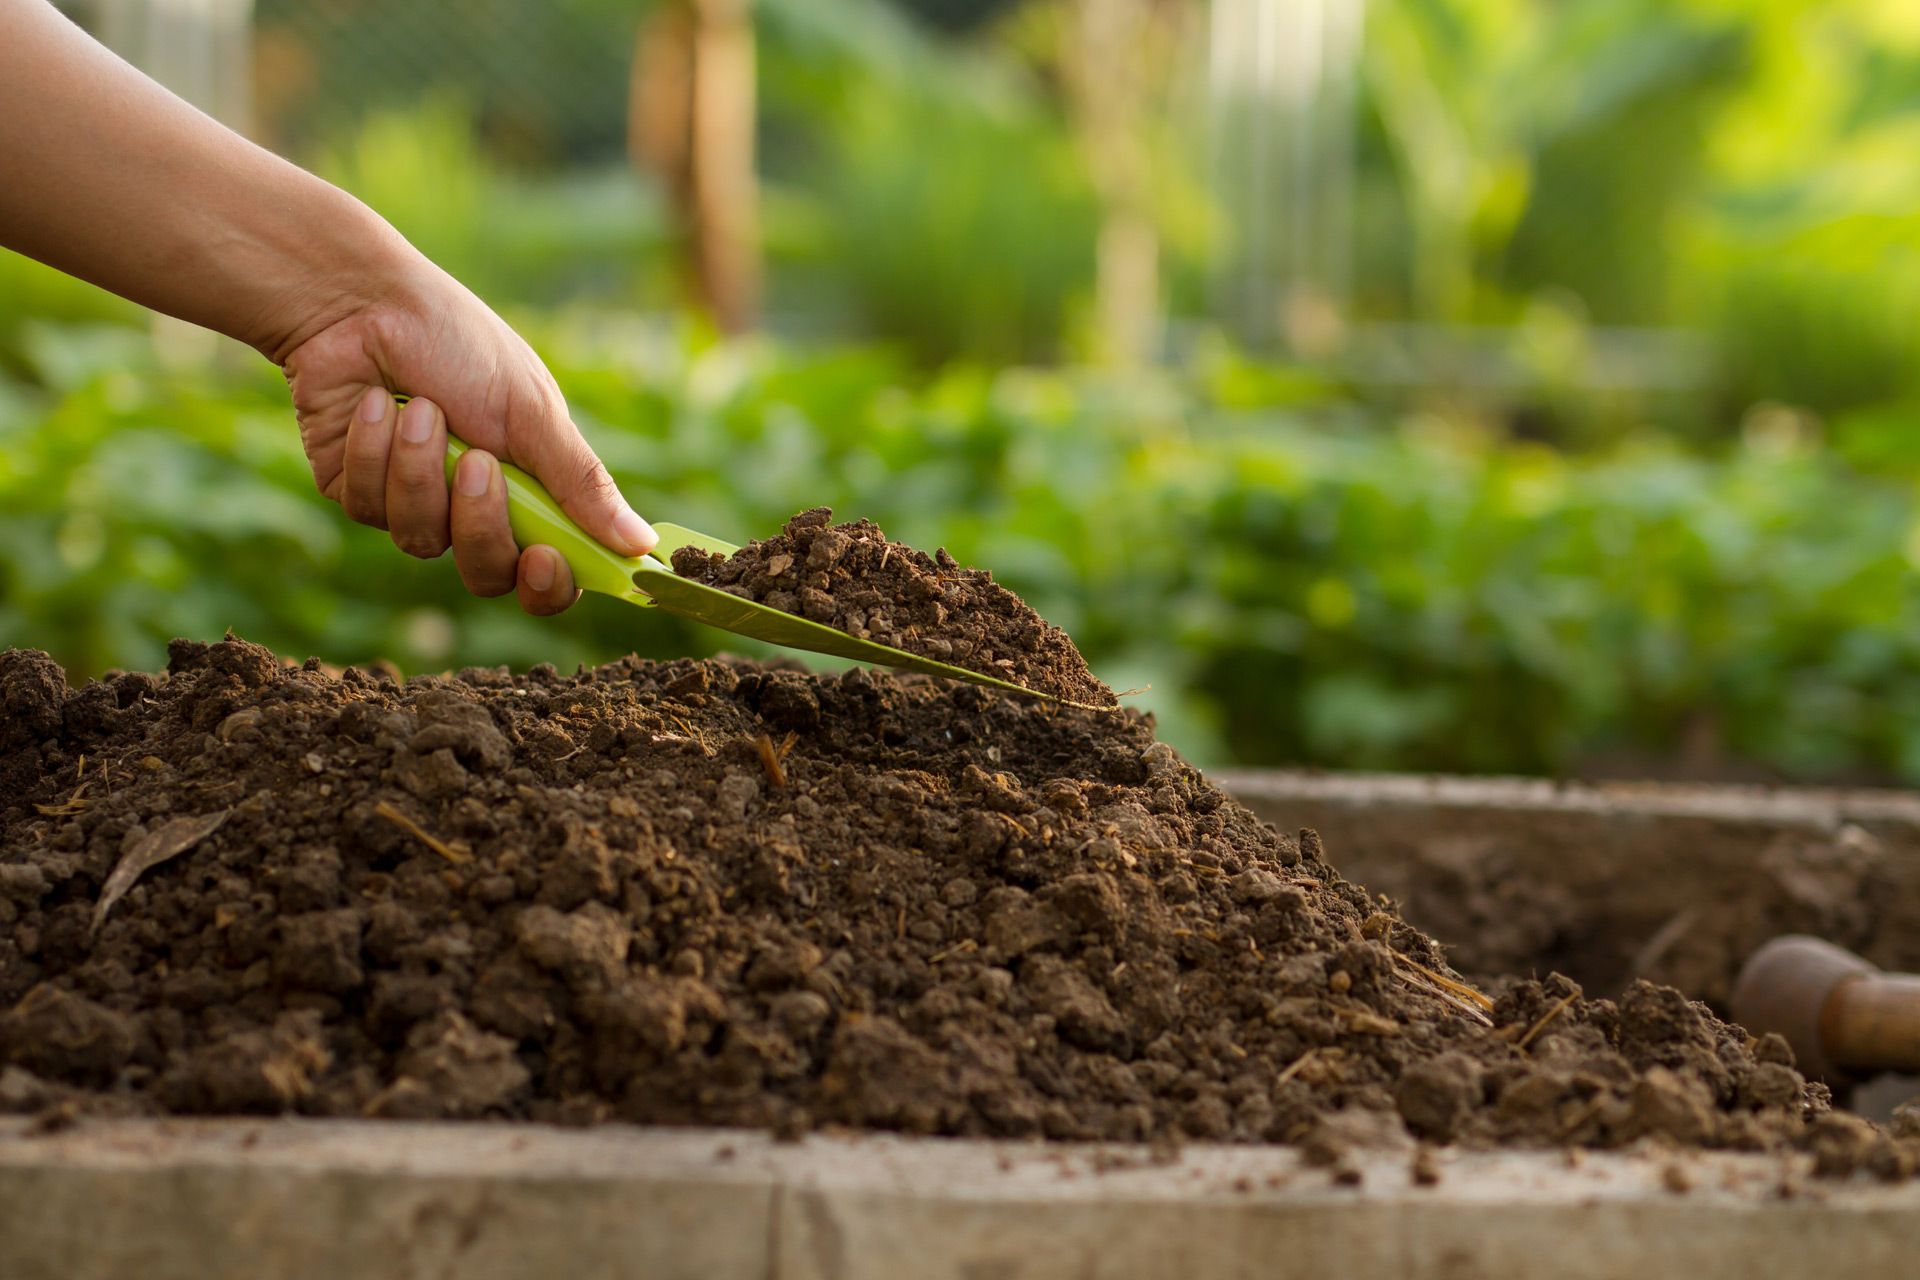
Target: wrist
point(349, 262)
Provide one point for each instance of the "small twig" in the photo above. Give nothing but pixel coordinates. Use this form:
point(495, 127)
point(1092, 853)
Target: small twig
point(1295, 1067)
point(1442, 994)
point(1585, 1114)
point(963, 947)
point(1458, 988)
point(770, 761)
point(1545, 1018)
point(453, 853)
point(74, 803)
point(693, 735)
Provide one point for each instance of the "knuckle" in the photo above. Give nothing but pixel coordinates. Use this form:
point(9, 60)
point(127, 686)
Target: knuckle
point(421, 546)
point(417, 479)
point(366, 448)
point(545, 606)
point(484, 570)
point(361, 511)
point(594, 483)
point(481, 583)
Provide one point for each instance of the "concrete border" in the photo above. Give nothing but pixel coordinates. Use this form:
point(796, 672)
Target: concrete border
point(1818, 808)
point(290, 1199)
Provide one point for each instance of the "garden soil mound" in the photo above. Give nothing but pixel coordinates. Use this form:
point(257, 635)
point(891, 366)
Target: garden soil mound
point(851, 578)
point(720, 893)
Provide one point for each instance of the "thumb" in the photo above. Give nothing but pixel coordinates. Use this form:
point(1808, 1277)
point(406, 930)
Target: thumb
point(559, 456)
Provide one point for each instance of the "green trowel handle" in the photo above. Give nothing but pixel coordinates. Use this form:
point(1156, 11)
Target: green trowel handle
point(535, 517)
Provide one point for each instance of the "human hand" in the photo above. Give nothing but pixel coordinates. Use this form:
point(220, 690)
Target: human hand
point(116, 180)
point(466, 371)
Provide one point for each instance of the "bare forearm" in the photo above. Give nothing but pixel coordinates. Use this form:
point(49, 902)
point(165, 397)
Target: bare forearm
point(105, 175)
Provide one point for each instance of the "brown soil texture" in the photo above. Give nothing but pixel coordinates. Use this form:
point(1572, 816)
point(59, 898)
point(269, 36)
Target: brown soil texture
point(719, 893)
point(851, 578)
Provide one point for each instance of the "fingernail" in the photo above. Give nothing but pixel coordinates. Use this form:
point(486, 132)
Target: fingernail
point(373, 405)
point(474, 475)
point(540, 571)
point(635, 532)
point(416, 422)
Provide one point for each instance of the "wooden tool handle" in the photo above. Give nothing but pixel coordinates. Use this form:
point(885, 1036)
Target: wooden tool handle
point(1872, 1023)
point(1784, 988)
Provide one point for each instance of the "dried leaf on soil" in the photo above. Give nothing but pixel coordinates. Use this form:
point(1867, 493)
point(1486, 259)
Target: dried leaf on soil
point(169, 840)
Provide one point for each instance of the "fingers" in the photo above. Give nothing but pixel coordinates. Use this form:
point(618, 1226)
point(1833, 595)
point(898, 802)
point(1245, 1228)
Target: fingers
point(393, 474)
point(546, 583)
point(554, 451)
point(483, 546)
point(416, 481)
point(363, 490)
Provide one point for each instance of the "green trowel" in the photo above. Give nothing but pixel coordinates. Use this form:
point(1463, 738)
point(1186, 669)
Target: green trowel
point(649, 582)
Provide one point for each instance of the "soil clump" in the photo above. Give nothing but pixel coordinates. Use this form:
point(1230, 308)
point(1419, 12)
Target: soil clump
point(851, 578)
point(724, 893)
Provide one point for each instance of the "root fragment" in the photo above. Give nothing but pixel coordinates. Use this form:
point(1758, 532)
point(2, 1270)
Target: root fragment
point(1480, 1001)
point(1545, 1018)
point(771, 757)
point(455, 852)
point(1295, 1067)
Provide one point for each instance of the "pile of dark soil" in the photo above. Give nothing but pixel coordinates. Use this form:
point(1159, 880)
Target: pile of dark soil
point(851, 578)
point(718, 893)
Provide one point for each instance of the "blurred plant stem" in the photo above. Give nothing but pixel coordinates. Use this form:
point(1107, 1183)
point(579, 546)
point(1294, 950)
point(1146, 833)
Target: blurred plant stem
point(691, 127)
point(1116, 71)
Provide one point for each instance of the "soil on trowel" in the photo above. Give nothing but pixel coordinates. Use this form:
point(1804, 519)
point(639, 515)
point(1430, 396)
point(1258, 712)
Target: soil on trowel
point(720, 893)
point(851, 578)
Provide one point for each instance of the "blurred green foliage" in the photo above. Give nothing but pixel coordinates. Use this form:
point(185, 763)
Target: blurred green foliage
point(546, 79)
point(919, 191)
point(1294, 584)
point(1745, 169)
point(924, 194)
point(509, 236)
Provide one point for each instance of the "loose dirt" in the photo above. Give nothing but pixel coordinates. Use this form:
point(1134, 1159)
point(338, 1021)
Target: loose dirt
point(851, 578)
point(722, 893)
